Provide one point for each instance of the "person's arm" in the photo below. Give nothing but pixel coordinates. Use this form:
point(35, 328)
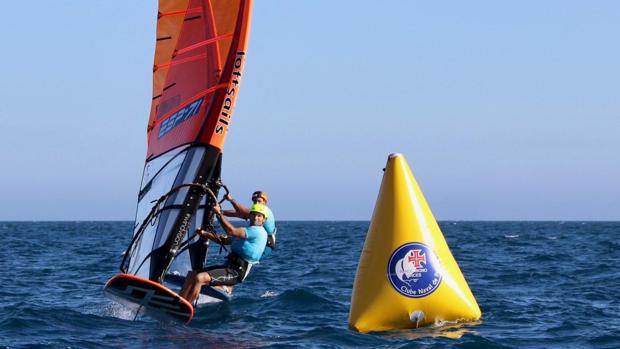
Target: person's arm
point(240, 211)
point(231, 213)
point(220, 239)
point(228, 227)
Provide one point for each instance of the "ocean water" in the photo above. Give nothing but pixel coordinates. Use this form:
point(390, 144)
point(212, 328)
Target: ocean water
point(539, 285)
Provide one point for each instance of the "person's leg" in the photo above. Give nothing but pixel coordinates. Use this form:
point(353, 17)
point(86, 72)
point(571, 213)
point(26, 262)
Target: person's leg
point(195, 281)
point(201, 279)
point(227, 289)
point(188, 285)
point(217, 275)
point(224, 278)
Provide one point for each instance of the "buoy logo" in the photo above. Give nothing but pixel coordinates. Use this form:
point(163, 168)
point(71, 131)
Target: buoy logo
point(414, 270)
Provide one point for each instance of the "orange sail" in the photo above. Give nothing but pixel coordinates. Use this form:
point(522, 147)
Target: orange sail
point(198, 66)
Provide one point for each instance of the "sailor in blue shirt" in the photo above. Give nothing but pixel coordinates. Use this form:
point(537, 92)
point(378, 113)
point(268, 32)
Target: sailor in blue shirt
point(240, 211)
point(247, 245)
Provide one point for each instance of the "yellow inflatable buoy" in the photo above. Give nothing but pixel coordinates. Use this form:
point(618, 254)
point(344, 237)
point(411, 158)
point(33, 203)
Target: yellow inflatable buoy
point(407, 276)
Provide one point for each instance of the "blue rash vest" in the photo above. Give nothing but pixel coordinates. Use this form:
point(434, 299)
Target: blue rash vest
point(251, 248)
point(270, 222)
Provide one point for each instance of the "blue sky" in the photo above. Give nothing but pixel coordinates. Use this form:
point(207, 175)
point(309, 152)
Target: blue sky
point(505, 110)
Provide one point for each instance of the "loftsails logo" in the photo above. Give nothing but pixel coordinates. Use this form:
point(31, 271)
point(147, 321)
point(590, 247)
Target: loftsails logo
point(231, 95)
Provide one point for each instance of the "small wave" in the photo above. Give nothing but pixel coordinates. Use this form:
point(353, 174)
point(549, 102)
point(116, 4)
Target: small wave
point(440, 323)
point(303, 299)
point(268, 294)
point(511, 236)
point(118, 311)
point(301, 295)
point(441, 328)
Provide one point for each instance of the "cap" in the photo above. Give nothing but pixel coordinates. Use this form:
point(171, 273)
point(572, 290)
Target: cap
point(258, 194)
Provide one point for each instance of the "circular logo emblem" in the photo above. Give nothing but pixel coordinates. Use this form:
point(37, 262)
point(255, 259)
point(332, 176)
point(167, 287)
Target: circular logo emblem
point(414, 270)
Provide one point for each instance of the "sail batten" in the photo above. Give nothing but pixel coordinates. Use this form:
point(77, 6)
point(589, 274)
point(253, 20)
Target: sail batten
point(177, 13)
point(204, 43)
point(180, 61)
